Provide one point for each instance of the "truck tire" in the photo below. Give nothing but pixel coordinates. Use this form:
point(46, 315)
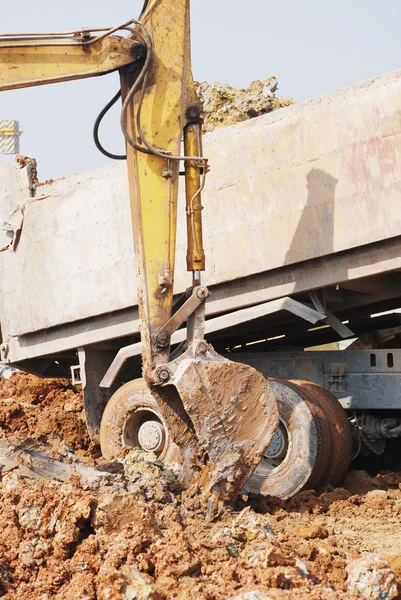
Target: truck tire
point(132, 417)
point(340, 432)
point(304, 461)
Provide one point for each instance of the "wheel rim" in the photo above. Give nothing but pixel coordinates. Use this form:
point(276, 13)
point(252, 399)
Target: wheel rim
point(145, 429)
point(274, 454)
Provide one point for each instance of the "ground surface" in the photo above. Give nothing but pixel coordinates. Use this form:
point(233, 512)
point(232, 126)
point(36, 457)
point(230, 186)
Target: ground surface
point(128, 530)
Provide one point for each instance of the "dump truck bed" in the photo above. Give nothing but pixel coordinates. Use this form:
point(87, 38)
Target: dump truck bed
point(304, 198)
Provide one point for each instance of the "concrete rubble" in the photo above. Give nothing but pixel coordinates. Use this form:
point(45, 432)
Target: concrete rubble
point(224, 105)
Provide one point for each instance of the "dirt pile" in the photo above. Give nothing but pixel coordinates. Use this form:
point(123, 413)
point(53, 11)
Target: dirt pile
point(224, 105)
point(48, 410)
point(125, 530)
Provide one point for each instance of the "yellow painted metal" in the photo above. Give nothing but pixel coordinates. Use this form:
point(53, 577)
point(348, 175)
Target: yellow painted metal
point(153, 179)
point(193, 189)
point(10, 132)
point(169, 104)
point(38, 64)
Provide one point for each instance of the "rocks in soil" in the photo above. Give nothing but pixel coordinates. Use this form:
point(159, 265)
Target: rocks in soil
point(128, 583)
point(309, 531)
point(250, 526)
point(116, 511)
point(372, 577)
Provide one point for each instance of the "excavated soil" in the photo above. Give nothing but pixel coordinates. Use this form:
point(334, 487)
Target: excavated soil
point(127, 530)
point(47, 410)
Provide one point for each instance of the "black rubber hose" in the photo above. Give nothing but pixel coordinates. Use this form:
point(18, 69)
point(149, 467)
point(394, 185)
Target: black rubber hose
point(144, 8)
point(97, 126)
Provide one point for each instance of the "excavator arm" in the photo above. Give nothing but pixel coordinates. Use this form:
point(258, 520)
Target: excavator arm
point(224, 409)
point(28, 60)
point(165, 110)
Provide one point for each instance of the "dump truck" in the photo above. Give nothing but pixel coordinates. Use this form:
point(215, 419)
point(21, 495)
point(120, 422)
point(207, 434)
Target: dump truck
point(299, 217)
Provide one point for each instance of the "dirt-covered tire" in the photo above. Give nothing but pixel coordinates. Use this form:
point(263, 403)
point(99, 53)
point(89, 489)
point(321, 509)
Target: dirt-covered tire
point(308, 446)
point(324, 437)
point(340, 432)
point(128, 408)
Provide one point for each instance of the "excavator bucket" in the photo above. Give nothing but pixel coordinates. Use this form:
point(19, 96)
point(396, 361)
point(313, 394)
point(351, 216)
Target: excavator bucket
point(234, 413)
point(225, 409)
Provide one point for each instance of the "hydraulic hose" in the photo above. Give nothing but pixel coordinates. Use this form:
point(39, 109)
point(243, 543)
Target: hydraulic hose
point(97, 126)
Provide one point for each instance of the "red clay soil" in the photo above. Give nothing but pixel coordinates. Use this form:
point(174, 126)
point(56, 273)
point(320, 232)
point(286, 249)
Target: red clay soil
point(132, 532)
point(44, 409)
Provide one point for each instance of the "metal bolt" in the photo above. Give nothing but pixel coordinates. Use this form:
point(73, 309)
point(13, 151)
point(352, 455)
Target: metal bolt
point(162, 338)
point(163, 375)
point(193, 113)
point(202, 293)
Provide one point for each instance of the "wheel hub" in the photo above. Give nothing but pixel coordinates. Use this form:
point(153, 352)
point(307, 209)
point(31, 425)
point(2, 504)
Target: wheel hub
point(278, 446)
point(152, 436)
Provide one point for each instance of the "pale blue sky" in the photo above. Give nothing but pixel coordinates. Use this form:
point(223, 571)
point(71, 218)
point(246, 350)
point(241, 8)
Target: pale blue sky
point(312, 47)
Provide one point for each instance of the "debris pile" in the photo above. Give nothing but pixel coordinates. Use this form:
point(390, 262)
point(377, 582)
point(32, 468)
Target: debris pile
point(224, 105)
point(48, 410)
point(75, 527)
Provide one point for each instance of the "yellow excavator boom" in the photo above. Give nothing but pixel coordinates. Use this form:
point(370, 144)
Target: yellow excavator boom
point(165, 110)
point(28, 60)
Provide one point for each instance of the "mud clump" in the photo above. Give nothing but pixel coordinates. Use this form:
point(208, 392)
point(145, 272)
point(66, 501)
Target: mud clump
point(224, 105)
point(44, 409)
point(90, 530)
